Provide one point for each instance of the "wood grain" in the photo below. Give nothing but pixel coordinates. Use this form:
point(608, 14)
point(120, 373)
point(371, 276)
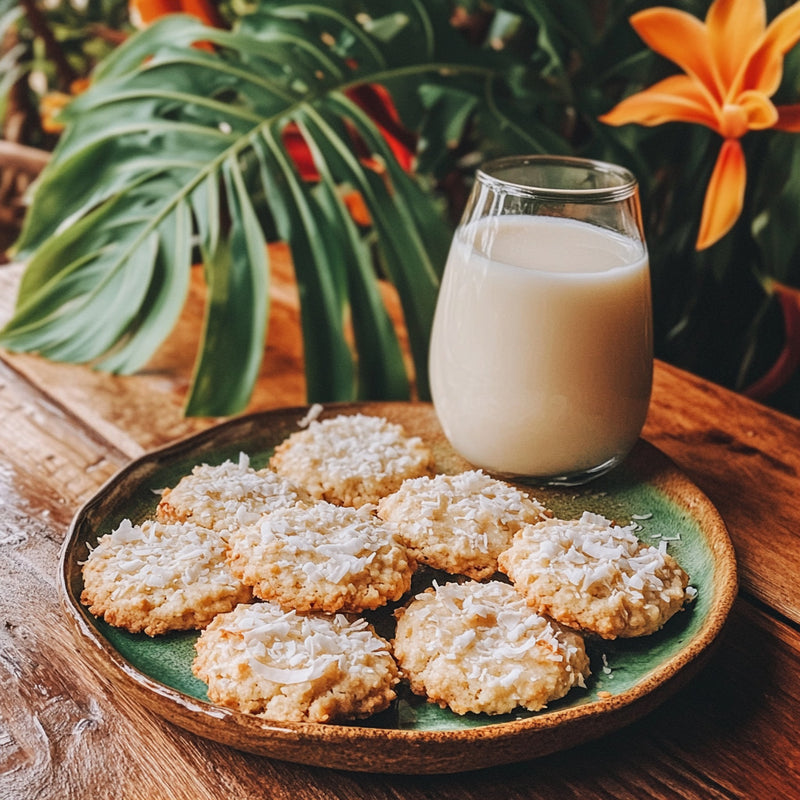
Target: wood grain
point(66, 735)
point(746, 458)
point(64, 732)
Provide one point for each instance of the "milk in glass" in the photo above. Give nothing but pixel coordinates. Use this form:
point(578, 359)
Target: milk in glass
point(541, 350)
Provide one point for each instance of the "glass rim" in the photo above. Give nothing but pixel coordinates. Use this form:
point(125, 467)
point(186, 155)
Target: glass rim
point(624, 183)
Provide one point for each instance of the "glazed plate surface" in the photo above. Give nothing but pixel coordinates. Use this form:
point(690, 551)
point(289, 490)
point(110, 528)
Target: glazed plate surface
point(629, 677)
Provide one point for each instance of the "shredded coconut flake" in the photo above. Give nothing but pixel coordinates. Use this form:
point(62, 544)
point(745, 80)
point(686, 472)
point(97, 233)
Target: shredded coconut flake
point(226, 495)
point(623, 585)
point(351, 459)
point(480, 647)
point(289, 648)
point(313, 413)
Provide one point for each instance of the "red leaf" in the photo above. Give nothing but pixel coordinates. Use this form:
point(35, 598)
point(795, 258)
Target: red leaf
point(377, 102)
point(789, 358)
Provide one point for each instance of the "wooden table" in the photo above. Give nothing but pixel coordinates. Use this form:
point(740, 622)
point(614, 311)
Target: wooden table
point(65, 733)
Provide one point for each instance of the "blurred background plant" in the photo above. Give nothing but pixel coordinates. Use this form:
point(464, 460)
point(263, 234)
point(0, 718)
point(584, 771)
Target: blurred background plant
point(48, 52)
point(351, 130)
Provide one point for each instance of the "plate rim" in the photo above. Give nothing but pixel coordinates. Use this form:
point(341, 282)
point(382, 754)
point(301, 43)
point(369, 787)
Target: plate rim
point(412, 751)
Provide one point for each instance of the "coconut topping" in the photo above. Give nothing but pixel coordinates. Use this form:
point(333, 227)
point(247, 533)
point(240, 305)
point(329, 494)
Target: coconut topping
point(351, 459)
point(226, 495)
point(156, 577)
point(322, 557)
point(470, 501)
point(460, 523)
point(289, 648)
point(499, 627)
point(478, 647)
point(153, 555)
point(596, 556)
point(595, 575)
point(360, 445)
point(283, 665)
point(323, 541)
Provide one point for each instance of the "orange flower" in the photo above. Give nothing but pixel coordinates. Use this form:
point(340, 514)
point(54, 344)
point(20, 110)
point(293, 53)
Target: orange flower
point(143, 12)
point(53, 103)
point(733, 64)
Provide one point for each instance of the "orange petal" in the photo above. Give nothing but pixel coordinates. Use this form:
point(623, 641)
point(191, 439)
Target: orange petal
point(788, 118)
point(724, 196)
point(733, 28)
point(150, 10)
point(354, 201)
point(675, 99)
point(761, 113)
point(79, 86)
point(683, 39)
point(762, 72)
point(50, 106)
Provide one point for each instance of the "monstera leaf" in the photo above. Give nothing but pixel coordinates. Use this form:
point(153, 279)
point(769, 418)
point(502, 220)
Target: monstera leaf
point(178, 155)
point(197, 146)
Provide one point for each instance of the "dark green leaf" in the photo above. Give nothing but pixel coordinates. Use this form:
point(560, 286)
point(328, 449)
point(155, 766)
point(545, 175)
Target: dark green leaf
point(237, 310)
point(322, 284)
point(177, 150)
point(381, 372)
point(164, 300)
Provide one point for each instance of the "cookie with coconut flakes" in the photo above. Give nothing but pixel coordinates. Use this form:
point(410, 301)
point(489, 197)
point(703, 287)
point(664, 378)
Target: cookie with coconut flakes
point(460, 523)
point(158, 577)
point(285, 666)
point(351, 460)
point(478, 647)
point(594, 575)
point(322, 557)
point(224, 496)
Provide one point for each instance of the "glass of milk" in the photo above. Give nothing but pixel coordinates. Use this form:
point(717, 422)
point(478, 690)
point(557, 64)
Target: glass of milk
point(541, 354)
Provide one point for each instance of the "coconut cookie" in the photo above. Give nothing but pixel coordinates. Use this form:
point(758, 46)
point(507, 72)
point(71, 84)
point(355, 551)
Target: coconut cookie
point(158, 577)
point(284, 666)
point(351, 460)
point(593, 575)
point(478, 647)
point(322, 557)
point(226, 495)
point(459, 523)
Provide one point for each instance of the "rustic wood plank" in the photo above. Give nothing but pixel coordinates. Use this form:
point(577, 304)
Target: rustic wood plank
point(65, 734)
point(746, 458)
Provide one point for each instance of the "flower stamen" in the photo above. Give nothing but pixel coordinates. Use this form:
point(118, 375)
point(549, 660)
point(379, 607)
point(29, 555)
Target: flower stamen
point(733, 121)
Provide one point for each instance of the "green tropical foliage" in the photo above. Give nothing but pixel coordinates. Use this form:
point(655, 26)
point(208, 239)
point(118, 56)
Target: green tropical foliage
point(177, 154)
point(183, 153)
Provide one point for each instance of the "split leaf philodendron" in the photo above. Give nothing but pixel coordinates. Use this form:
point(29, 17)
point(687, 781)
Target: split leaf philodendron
point(351, 129)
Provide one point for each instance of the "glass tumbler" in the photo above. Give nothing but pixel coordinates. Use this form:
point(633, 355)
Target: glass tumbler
point(541, 355)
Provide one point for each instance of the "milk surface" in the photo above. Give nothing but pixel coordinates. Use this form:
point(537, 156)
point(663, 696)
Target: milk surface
point(541, 350)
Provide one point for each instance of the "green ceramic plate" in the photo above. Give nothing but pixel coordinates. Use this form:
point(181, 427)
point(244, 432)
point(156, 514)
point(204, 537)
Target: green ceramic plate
point(629, 677)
